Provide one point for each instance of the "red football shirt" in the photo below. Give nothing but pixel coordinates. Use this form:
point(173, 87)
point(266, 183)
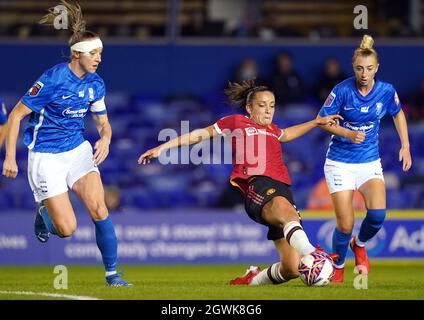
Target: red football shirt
point(256, 150)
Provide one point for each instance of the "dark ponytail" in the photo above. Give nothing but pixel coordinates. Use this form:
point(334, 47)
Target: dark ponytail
point(241, 94)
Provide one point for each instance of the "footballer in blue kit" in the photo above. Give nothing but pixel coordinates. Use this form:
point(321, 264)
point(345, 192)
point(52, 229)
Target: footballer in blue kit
point(60, 99)
point(353, 160)
point(59, 158)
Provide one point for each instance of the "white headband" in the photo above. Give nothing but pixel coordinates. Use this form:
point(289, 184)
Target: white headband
point(87, 45)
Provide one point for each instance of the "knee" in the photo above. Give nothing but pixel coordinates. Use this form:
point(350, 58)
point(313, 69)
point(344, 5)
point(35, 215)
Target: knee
point(290, 268)
point(98, 210)
point(290, 272)
point(345, 226)
point(66, 229)
point(278, 212)
point(376, 216)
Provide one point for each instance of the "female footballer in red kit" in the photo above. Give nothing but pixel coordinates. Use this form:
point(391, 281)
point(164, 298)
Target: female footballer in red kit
point(260, 174)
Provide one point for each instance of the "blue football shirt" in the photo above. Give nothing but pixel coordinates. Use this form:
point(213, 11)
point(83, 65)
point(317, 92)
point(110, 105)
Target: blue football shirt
point(60, 100)
point(360, 114)
point(3, 114)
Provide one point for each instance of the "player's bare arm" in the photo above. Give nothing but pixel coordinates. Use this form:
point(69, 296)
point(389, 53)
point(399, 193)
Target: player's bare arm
point(105, 131)
point(354, 136)
point(187, 139)
point(402, 129)
point(10, 167)
point(297, 131)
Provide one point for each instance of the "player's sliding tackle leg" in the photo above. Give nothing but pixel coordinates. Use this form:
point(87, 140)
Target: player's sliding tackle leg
point(280, 213)
point(89, 189)
point(282, 271)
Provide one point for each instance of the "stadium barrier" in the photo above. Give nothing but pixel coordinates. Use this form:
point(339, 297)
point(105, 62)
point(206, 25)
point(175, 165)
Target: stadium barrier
point(187, 68)
point(206, 236)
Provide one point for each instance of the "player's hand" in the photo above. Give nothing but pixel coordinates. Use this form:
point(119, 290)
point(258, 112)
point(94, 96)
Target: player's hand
point(148, 155)
point(10, 168)
point(101, 150)
point(356, 137)
point(405, 156)
point(331, 120)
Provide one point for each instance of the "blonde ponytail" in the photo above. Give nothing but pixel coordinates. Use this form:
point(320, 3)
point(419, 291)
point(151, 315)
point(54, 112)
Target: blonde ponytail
point(365, 48)
point(366, 43)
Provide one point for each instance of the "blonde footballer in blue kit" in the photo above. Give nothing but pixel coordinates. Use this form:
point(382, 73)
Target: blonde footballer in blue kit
point(59, 157)
point(353, 160)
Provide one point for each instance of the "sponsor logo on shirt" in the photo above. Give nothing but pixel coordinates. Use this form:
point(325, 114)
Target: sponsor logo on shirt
point(365, 109)
point(252, 131)
point(359, 128)
point(80, 113)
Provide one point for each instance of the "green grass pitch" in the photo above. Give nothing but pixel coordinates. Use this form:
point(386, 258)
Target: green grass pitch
point(387, 280)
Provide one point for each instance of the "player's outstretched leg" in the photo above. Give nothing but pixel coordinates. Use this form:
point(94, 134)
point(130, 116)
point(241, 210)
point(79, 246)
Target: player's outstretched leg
point(43, 225)
point(340, 246)
point(108, 245)
point(362, 262)
point(369, 228)
point(89, 189)
point(278, 272)
point(248, 276)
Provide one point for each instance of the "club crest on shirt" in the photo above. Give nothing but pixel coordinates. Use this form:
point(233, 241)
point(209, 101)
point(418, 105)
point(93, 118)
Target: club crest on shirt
point(35, 89)
point(329, 101)
point(91, 94)
point(270, 191)
point(378, 108)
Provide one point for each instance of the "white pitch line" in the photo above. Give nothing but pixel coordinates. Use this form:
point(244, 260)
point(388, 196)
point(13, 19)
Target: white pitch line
point(45, 294)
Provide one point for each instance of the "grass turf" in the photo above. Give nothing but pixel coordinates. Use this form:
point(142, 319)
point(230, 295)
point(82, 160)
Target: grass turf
point(391, 280)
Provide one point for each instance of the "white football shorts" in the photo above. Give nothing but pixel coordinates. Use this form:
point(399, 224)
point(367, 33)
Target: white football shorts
point(50, 174)
point(342, 176)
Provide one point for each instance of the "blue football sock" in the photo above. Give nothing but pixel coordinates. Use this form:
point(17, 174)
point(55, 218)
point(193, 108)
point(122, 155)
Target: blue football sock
point(48, 221)
point(107, 243)
point(371, 224)
point(340, 245)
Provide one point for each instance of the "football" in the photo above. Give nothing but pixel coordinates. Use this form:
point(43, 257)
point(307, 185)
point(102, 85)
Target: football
point(316, 269)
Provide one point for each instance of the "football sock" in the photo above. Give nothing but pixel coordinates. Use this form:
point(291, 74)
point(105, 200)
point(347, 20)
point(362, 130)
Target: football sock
point(297, 238)
point(107, 244)
point(340, 245)
point(270, 275)
point(371, 224)
point(48, 221)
